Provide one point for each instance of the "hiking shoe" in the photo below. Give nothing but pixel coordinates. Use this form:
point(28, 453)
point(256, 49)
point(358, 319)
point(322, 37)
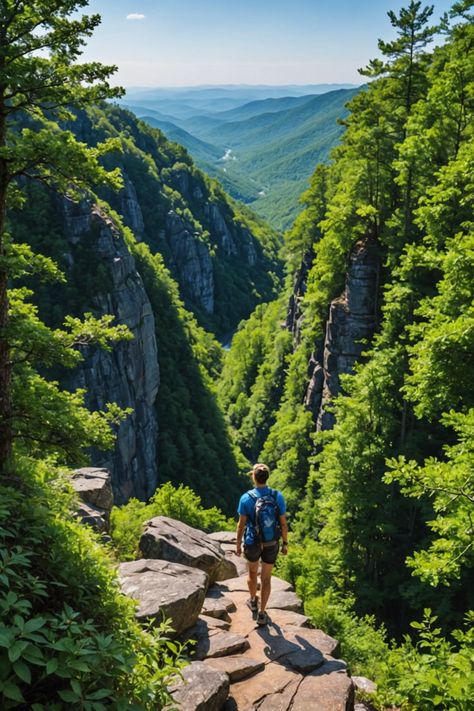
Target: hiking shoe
point(252, 604)
point(262, 618)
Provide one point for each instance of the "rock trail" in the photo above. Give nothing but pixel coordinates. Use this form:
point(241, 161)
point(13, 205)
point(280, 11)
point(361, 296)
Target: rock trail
point(236, 665)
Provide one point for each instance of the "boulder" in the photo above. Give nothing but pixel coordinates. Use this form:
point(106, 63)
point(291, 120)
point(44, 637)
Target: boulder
point(201, 689)
point(165, 589)
point(167, 539)
point(94, 487)
point(94, 517)
point(361, 683)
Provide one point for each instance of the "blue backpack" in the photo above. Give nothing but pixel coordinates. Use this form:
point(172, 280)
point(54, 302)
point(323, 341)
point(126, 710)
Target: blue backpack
point(266, 521)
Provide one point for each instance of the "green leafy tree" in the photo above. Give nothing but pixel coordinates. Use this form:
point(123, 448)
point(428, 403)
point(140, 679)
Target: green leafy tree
point(40, 79)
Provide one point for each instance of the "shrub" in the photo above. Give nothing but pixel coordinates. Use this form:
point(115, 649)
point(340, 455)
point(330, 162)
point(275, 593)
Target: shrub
point(68, 637)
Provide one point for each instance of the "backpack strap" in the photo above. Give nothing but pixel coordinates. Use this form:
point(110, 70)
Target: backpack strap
point(255, 498)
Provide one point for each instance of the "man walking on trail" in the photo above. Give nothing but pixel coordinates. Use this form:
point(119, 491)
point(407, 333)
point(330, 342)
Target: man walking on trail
point(262, 517)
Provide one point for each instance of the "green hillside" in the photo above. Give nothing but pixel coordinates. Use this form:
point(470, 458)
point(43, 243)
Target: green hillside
point(268, 148)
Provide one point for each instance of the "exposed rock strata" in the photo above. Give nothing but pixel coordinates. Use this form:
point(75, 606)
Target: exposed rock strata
point(351, 323)
point(165, 589)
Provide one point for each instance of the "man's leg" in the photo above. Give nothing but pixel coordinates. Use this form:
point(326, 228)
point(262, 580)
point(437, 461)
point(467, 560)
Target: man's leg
point(252, 578)
point(266, 586)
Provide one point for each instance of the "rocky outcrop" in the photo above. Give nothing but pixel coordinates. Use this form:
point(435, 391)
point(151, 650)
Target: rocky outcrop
point(294, 316)
point(130, 207)
point(283, 666)
point(190, 261)
point(351, 323)
point(128, 374)
point(165, 589)
point(94, 488)
point(175, 541)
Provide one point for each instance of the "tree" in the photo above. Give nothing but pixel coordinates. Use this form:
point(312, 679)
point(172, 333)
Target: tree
point(40, 81)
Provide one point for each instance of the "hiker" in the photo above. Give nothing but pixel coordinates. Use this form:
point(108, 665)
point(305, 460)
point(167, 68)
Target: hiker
point(262, 515)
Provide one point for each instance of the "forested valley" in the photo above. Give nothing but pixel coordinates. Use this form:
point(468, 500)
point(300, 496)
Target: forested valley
point(124, 269)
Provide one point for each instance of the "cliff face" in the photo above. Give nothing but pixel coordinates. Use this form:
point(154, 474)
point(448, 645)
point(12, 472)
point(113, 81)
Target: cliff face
point(129, 374)
point(352, 319)
point(222, 258)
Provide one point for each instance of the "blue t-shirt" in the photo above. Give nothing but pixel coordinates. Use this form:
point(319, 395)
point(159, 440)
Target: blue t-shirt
point(246, 507)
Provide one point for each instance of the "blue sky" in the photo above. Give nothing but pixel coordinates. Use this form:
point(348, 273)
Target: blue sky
point(192, 42)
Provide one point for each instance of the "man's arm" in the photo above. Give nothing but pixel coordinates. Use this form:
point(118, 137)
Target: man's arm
point(284, 534)
point(240, 532)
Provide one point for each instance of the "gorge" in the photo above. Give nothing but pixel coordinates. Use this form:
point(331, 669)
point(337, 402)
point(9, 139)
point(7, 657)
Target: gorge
point(124, 267)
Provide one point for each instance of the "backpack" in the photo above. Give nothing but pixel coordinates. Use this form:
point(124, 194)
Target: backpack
point(266, 521)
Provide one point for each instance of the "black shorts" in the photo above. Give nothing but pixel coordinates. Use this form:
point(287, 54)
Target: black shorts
point(268, 554)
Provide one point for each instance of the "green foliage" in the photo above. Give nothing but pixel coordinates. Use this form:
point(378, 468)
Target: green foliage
point(450, 485)
point(68, 638)
point(49, 420)
point(252, 377)
point(180, 503)
point(430, 672)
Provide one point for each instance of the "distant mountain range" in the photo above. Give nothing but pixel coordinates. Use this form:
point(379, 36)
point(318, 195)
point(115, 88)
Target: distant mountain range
point(261, 142)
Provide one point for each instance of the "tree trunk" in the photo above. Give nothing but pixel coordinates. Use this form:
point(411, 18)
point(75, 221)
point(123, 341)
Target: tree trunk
point(6, 432)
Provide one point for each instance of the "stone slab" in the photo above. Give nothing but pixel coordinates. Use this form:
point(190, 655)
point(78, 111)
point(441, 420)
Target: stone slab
point(285, 600)
point(247, 694)
point(214, 622)
point(283, 618)
point(322, 691)
point(280, 701)
point(220, 644)
point(236, 666)
point(202, 688)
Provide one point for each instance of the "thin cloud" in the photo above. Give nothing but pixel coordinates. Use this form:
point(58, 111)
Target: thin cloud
point(135, 16)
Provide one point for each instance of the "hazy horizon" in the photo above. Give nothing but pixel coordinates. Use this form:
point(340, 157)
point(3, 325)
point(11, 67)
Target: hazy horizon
point(182, 43)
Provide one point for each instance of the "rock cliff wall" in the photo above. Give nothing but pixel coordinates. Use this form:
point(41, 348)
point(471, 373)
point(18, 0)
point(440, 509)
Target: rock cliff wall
point(129, 374)
point(351, 323)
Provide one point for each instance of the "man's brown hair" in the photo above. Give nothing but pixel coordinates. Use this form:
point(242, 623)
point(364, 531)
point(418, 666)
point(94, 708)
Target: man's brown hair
point(261, 473)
